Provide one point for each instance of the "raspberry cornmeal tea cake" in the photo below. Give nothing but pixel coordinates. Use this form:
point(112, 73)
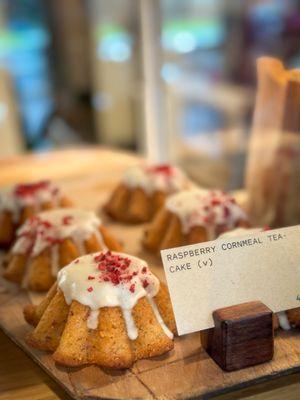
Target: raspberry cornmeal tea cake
point(142, 192)
point(52, 239)
point(193, 216)
point(23, 201)
point(106, 309)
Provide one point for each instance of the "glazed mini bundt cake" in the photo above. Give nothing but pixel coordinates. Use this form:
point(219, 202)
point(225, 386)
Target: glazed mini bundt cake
point(107, 309)
point(52, 239)
point(284, 319)
point(193, 216)
point(142, 192)
point(24, 200)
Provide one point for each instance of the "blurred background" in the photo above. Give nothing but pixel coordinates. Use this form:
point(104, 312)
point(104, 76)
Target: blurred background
point(170, 78)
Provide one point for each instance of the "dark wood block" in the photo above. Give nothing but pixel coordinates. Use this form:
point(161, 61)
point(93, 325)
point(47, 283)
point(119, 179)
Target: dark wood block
point(242, 337)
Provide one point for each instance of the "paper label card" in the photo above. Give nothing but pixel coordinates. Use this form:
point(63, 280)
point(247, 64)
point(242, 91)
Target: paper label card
point(207, 276)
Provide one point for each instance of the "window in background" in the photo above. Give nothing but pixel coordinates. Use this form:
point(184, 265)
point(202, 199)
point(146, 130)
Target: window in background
point(116, 91)
point(24, 40)
point(210, 49)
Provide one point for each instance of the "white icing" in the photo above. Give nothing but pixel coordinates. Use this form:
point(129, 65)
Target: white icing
point(92, 282)
point(208, 208)
point(283, 321)
point(32, 194)
point(92, 321)
point(50, 227)
point(163, 178)
point(130, 324)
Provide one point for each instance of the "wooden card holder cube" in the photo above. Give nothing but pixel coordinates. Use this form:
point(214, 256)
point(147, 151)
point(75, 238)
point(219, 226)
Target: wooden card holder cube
point(243, 336)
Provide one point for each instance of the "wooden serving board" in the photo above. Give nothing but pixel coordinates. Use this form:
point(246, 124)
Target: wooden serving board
point(186, 372)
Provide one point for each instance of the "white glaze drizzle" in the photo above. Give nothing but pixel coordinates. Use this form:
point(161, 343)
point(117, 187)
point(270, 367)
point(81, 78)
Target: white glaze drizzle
point(50, 227)
point(283, 321)
point(165, 178)
point(131, 328)
point(32, 236)
point(92, 321)
point(159, 318)
point(91, 280)
point(33, 194)
point(208, 208)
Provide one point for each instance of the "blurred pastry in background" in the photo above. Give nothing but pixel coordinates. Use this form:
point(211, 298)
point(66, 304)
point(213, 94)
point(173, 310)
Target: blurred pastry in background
point(107, 309)
point(24, 200)
point(193, 216)
point(142, 192)
point(52, 239)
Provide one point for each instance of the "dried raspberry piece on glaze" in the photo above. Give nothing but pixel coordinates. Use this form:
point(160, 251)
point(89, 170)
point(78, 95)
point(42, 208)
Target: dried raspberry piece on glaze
point(145, 283)
point(67, 220)
point(52, 240)
point(132, 288)
point(90, 289)
point(46, 224)
point(101, 267)
point(215, 202)
point(30, 189)
point(226, 211)
point(164, 169)
point(115, 279)
point(209, 219)
point(91, 277)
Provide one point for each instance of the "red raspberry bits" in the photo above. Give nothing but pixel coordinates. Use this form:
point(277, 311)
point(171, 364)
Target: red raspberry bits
point(30, 189)
point(145, 283)
point(227, 212)
point(132, 288)
point(46, 224)
point(67, 220)
point(90, 277)
point(165, 169)
point(215, 202)
point(52, 240)
point(115, 268)
point(90, 289)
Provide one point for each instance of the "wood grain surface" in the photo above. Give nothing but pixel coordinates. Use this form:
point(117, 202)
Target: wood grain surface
point(185, 372)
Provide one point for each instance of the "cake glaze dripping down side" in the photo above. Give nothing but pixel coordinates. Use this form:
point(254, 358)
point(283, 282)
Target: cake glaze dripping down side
point(34, 195)
point(110, 279)
point(163, 178)
point(48, 229)
point(206, 208)
point(283, 321)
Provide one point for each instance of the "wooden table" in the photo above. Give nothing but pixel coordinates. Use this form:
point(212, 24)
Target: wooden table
point(20, 378)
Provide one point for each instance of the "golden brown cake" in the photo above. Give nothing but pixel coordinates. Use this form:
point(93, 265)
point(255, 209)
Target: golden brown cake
point(107, 309)
point(142, 192)
point(52, 239)
point(193, 216)
point(23, 201)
